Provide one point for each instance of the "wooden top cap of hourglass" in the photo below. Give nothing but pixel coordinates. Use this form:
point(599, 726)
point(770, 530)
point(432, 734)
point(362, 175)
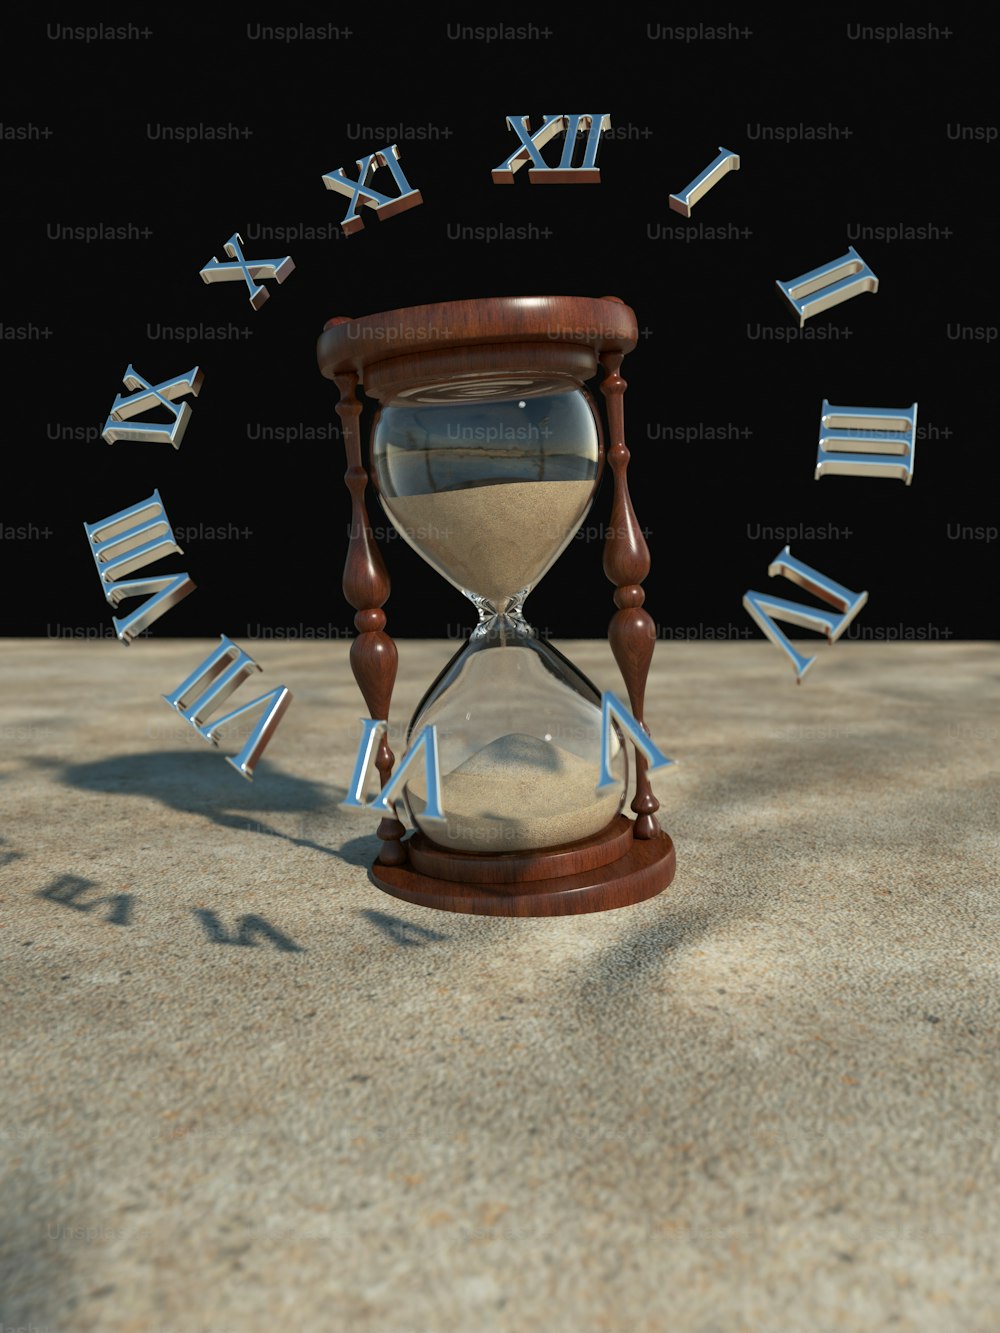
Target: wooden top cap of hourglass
point(603, 324)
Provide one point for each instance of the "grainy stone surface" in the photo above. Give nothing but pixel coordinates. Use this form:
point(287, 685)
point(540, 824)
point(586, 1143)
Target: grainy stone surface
point(245, 1090)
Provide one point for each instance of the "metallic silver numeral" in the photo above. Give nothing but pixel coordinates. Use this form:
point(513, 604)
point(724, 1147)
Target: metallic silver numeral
point(424, 749)
point(762, 607)
point(540, 173)
point(372, 732)
point(613, 708)
point(241, 270)
point(149, 396)
point(867, 441)
point(360, 191)
point(222, 672)
point(127, 541)
point(827, 286)
point(725, 163)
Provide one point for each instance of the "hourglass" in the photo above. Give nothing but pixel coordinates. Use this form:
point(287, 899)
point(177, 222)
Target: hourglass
point(486, 454)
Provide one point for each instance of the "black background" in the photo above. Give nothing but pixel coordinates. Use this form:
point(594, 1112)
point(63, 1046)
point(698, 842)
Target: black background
point(672, 102)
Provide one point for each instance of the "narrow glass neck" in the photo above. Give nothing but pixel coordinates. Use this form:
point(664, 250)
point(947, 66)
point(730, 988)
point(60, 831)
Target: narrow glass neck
point(503, 621)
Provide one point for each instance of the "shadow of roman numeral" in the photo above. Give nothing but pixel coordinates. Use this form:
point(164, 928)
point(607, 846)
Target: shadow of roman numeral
point(67, 889)
point(249, 931)
point(400, 931)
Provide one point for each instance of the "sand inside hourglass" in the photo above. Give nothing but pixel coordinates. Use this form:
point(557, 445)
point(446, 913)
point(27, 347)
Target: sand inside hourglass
point(492, 540)
point(519, 792)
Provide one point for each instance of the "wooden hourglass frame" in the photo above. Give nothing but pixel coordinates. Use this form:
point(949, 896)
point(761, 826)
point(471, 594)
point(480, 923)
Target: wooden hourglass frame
point(629, 860)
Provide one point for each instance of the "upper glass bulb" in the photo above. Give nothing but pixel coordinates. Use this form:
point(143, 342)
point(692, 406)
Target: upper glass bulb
point(488, 479)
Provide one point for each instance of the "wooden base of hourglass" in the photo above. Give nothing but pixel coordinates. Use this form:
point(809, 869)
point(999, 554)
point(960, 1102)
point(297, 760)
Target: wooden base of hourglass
point(609, 869)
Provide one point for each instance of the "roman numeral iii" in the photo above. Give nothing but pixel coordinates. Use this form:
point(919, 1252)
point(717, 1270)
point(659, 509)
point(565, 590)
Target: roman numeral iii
point(867, 441)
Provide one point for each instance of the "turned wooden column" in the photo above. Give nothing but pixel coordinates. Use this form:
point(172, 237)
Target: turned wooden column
point(366, 587)
point(631, 633)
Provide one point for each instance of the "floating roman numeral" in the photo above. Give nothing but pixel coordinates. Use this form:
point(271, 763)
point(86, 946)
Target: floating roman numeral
point(762, 607)
point(147, 397)
point(242, 270)
point(867, 441)
point(359, 191)
point(127, 541)
point(824, 287)
point(222, 672)
point(613, 710)
point(540, 173)
point(725, 163)
point(424, 749)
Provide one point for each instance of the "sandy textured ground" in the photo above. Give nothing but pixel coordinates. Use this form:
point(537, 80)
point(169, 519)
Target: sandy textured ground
point(245, 1090)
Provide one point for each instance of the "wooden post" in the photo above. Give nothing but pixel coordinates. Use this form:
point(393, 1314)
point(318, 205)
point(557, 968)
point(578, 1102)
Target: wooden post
point(366, 586)
point(632, 633)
